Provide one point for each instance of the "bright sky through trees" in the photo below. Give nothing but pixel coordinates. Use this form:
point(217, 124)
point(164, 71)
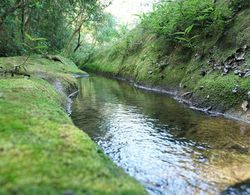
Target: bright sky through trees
point(126, 10)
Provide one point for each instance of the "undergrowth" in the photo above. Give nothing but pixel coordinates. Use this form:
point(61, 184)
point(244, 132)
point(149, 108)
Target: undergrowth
point(187, 22)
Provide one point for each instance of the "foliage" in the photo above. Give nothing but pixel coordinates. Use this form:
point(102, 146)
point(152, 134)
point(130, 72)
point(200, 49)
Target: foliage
point(35, 45)
point(237, 5)
point(84, 53)
point(102, 35)
point(184, 21)
point(106, 31)
point(57, 21)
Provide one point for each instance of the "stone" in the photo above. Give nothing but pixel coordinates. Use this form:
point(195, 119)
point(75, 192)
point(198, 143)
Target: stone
point(161, 66)
point(241, 74)
point(150, 72)
point(203, 72)
point(232, 62)
point(240, 56)
point(182, 86)
point(247, 73)
point(248, 94)
point(225, 70)
point(244, 47)
point(228, 67)
point(239, 148)
point(236, 72)
point(244, 106)
point(187, 94)
point(236, 89)
point(197, 56)
point(208, 109)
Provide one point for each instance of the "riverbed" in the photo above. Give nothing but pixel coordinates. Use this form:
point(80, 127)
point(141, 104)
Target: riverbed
point(168, 147)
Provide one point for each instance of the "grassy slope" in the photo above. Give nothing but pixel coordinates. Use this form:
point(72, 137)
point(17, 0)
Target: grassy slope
point(41, 151)
point(140, 59)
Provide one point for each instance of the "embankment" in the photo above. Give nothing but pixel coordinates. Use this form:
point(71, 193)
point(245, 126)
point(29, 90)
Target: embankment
point(216, 78)
point(41, 151)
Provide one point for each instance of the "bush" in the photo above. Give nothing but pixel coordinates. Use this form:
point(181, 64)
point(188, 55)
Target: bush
point(185, 21)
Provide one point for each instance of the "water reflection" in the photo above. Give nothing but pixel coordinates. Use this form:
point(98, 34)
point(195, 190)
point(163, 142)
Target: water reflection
point(168, 147)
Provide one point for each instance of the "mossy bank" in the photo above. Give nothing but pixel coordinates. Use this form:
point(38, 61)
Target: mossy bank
point(214, 76)
point(41, 151)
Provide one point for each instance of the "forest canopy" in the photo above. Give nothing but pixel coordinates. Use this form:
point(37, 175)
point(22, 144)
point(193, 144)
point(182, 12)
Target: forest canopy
point(58, 23)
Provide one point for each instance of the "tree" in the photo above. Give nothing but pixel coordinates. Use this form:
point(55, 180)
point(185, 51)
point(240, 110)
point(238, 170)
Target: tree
point(59, 22)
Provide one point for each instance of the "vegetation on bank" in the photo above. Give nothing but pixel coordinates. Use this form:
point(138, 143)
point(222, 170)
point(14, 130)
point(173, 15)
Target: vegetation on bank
point(62, 25)
point(194, 46)
point(212, 64)
point(188, 22)
point(41, 151)
point(184, 22)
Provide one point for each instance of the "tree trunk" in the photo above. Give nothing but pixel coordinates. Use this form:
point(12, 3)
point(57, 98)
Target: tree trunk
point(23, 22)
point(78, 41)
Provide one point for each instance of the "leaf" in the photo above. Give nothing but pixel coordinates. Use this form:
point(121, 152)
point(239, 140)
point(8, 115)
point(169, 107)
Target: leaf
point(179, 33)
point(41, 47)
point(182, 39)
point(28, 37)
point(208, 10)
point(200, 18)
point(188, 29)
point(39, 39)
point(194, 37)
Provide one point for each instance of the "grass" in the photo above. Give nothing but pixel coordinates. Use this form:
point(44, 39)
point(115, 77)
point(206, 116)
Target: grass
point(41, 151)
point(182, 67)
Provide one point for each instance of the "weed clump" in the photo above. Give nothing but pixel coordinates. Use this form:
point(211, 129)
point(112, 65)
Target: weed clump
point(187, 22)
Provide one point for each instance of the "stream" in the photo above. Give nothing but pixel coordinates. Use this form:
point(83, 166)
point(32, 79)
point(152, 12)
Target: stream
point(166, 146)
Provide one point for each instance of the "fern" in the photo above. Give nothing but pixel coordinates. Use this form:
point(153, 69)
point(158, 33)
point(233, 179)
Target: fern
point(185, 21)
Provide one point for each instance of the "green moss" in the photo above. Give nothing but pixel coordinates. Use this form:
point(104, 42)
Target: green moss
point(41, 151)
point(218, 90)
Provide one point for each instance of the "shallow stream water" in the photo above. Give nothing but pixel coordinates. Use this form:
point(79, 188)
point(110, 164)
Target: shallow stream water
point(168, 147)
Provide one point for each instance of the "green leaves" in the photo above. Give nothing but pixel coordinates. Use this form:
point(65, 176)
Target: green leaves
point(28, 37)
point(33, 39)
point(188, 29)
point(35, 44)
point(179, 33)
point(47, 23)
point(184, 37)
point(41, 47)
point(237, 5)
point(185, 21)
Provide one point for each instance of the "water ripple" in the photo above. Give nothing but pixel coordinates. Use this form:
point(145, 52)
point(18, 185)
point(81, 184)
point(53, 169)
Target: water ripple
point(169, 148)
